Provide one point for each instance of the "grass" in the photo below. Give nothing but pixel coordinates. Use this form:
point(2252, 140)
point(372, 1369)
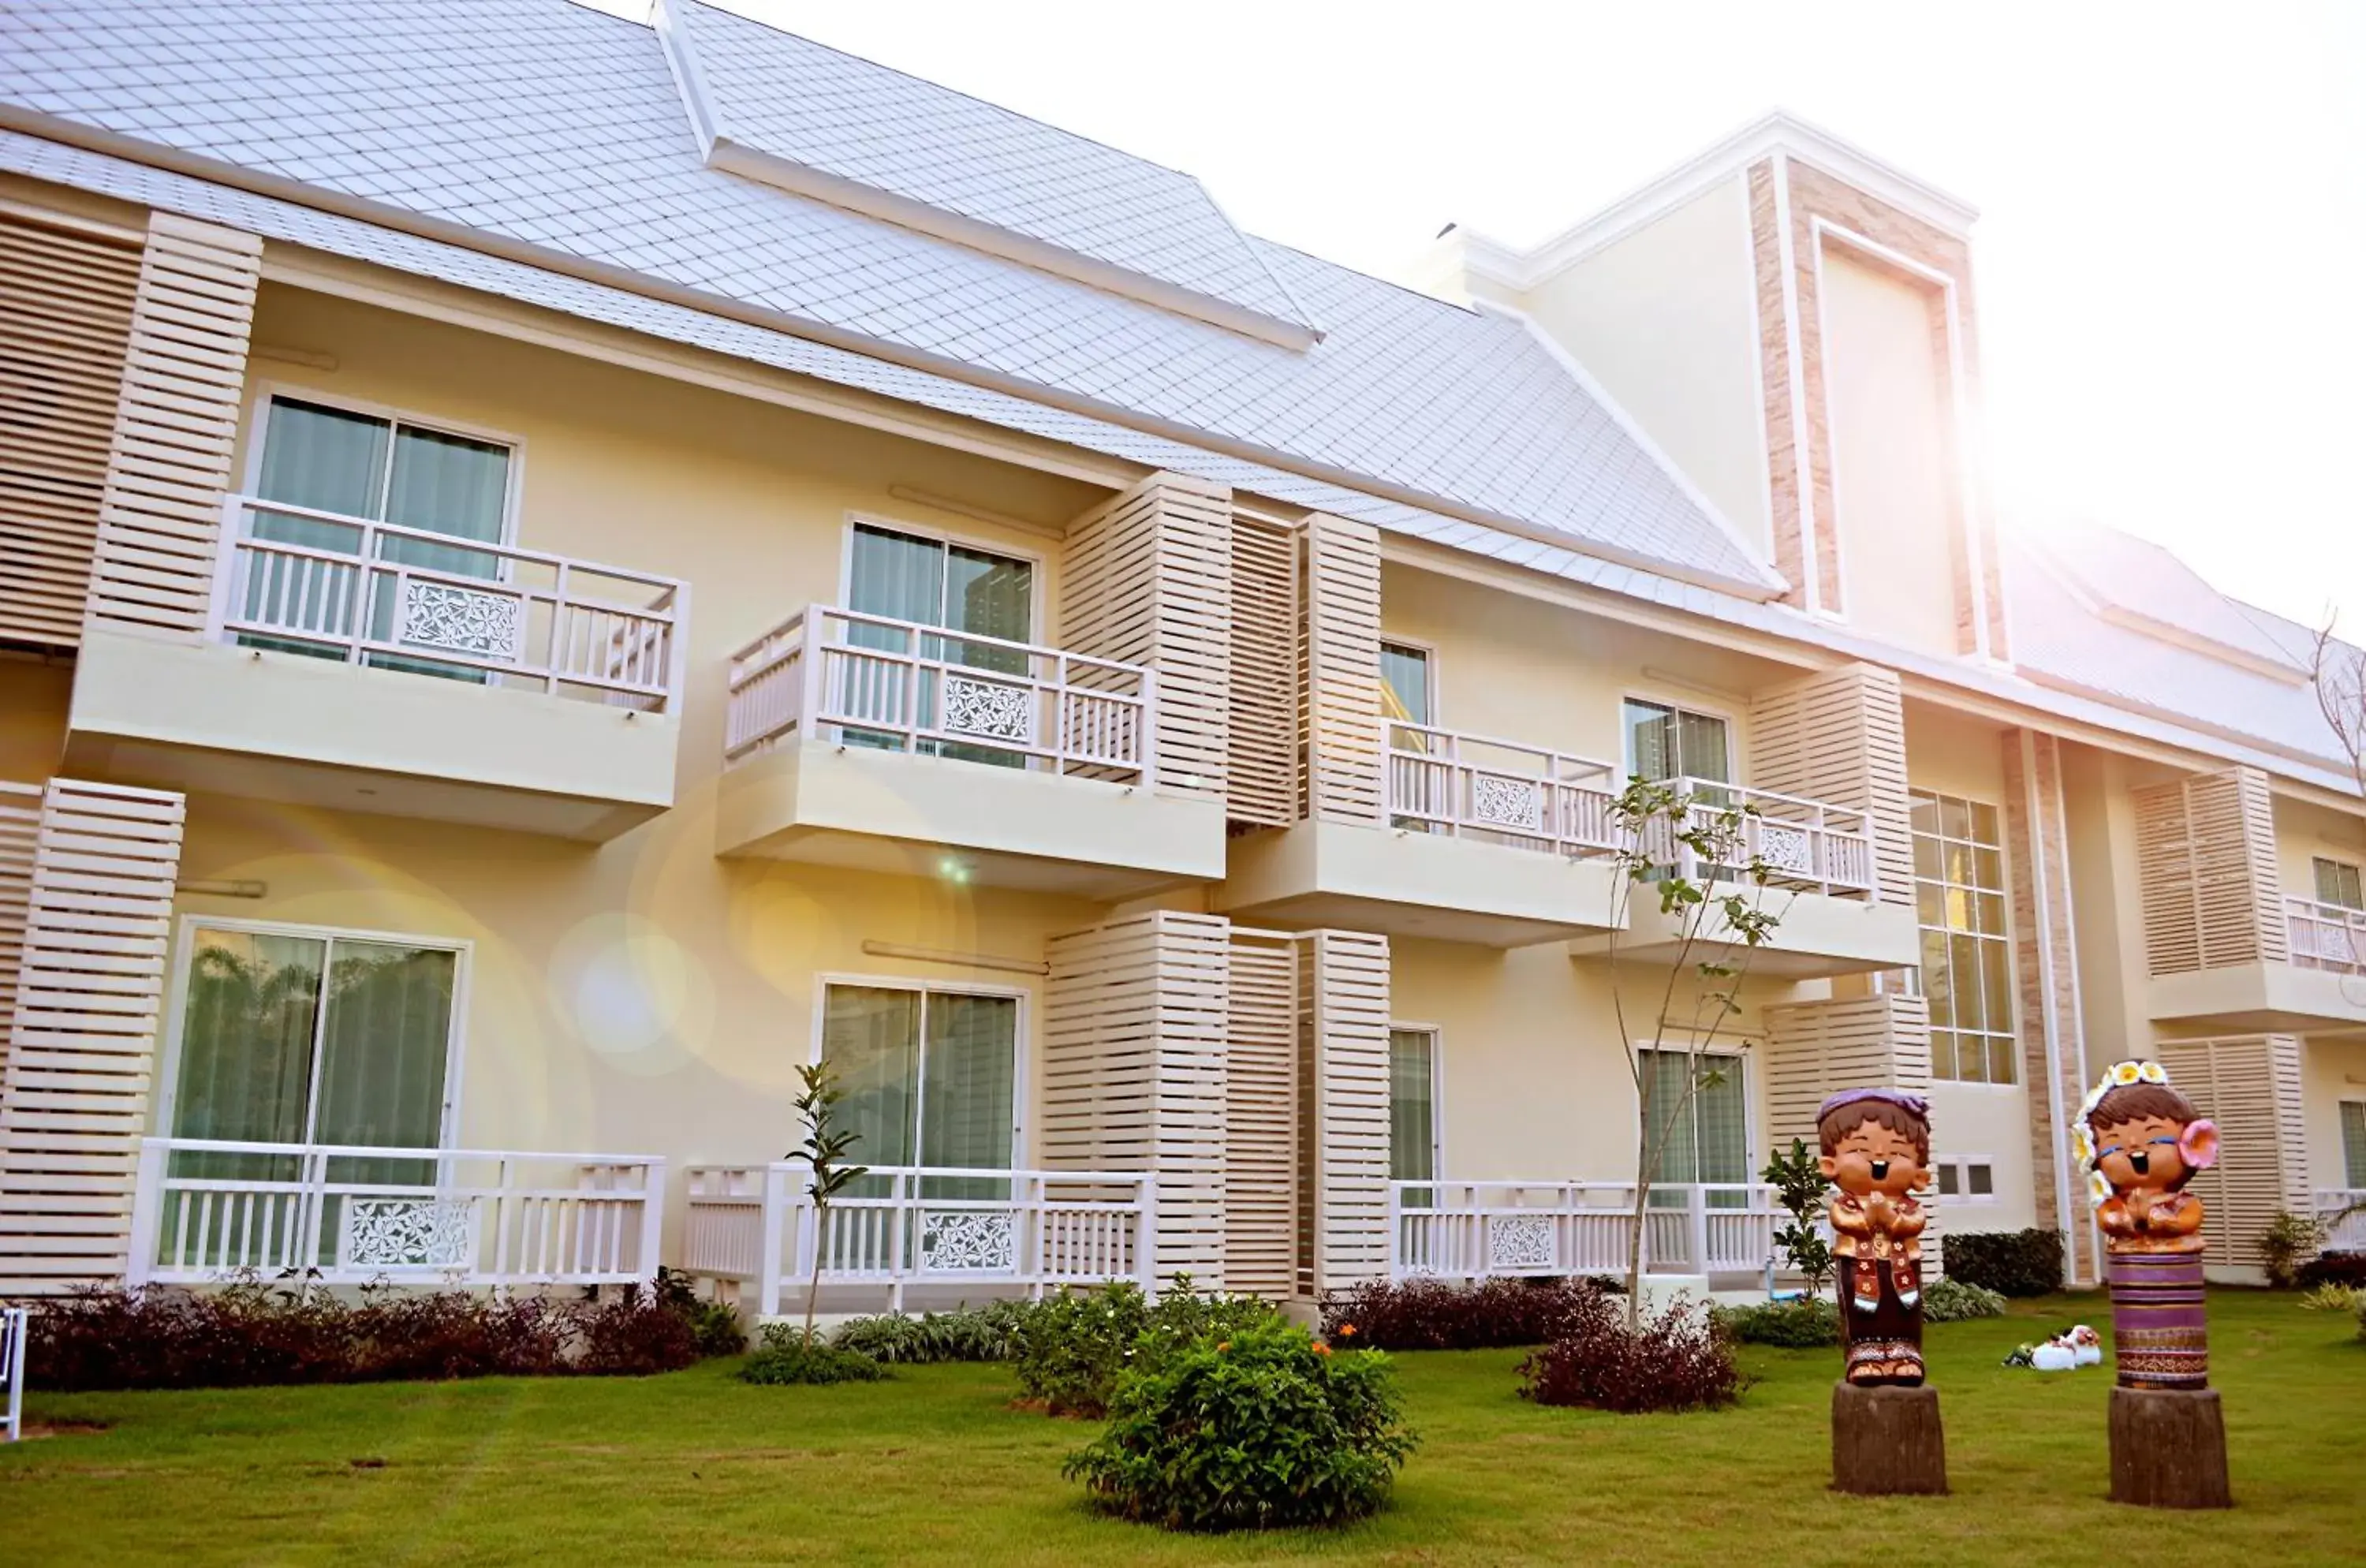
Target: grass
point(934, 1466)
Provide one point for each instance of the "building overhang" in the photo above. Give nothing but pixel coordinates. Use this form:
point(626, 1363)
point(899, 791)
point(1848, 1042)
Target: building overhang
point(2257, 998)
point(1818, 936)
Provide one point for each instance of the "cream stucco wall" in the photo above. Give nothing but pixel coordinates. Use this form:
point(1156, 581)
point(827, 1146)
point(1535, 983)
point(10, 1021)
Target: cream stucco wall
point(2331, 1071)
point(1891, 427)
point(2305, 830)
point(1666, 319)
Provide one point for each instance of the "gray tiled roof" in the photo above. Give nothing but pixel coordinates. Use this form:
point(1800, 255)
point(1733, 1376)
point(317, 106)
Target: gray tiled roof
point(845, 117)
point(543, 124)
point(2133, 578)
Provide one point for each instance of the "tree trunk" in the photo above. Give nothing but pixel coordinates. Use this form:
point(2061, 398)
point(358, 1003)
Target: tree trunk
point(2169, 1449)
point(1887, 1440)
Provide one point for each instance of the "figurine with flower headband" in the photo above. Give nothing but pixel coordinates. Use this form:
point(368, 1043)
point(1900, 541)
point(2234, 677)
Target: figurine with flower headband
point(2141, 1142)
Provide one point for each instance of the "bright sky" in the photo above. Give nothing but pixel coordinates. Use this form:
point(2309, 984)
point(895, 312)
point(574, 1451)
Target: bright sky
point(2172, 195)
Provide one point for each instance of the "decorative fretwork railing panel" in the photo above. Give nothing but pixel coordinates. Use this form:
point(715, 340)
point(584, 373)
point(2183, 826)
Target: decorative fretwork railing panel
point(2342, 1212)
point(410, 599)
point(209, 1211)
point(1807, 845)
point(1474, 786)
point(1030, 1229)
point(876, 681)
point(1470, 1230)
point(2326, 936)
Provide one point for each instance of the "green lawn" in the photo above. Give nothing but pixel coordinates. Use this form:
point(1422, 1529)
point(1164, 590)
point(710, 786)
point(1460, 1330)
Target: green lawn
point(697, 1468)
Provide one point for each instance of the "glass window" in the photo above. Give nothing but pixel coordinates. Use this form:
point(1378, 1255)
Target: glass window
point(930, 1078)
point(1413, 1109)
point(2338, 883)
point(1966, 972)
point(1979, 1179)
point(1664, 742)
point(2353, 1143)
point(908, 577)
point(1706, 1138)
point(1404, 683)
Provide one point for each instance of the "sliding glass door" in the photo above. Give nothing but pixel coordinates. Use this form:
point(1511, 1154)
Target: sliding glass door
point(1703, 1137)
point(912, 577)
point(930, 1079)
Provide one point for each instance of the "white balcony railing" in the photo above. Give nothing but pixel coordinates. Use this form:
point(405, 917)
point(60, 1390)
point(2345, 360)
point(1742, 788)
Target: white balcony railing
point(1470, 1230)
point(874, 680)
point(2342, 1212)
point(1472, 786)
point(2326, 936)
point(205, 1211)
point(1014, 1230)
point(408, 598)
point(1806, 845)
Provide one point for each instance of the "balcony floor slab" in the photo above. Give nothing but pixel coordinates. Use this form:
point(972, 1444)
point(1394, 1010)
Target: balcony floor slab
point(1818, 936)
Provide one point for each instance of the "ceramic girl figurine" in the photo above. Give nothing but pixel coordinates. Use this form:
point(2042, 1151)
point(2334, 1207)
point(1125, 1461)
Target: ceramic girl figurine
point(2141, 1142)
point(1876, 1149)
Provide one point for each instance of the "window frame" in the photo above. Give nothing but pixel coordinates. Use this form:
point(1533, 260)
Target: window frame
point(1022, 1022)
point(1038, 561)
point(1736, 1053)
point(2317, 865)
point(184, 953)
point(1429, 660)
point(1731, 718)
point(1436, 1092)
point(1962, 1166)
point(258, 420)
point(2342, 1133)
point(1919, 986)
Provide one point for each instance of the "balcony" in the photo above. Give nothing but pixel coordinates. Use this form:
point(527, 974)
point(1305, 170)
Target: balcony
point(1821, 886)
point(378, 668)
point(1481, 840)
point(884, 745)
point(207, 1212)
point(2318, 983)
point(936, 1237)
point(1476, 1230)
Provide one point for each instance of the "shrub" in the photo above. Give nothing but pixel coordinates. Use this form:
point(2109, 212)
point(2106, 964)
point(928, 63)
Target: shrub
point(1432, 1314)
point(787, 1356)
point(982, 1334)
point(2285, 1244)
point(250, 1334)
point(2012, 1263)
point(2334, 1268)
point(1800, 1324)
point(1678, 1361)
point(1262, 1430)
point(2333, 1298)
point(1070, 1349)
point(1950, 1299)
point(715, 1325)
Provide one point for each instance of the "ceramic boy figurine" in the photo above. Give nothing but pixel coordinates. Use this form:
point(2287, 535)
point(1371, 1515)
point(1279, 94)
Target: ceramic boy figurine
point(2141, 1142)
point(1877, 1150)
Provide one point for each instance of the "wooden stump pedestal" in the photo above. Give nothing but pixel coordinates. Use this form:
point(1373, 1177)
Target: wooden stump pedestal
point(1887, 1440)
point(2169, 1449)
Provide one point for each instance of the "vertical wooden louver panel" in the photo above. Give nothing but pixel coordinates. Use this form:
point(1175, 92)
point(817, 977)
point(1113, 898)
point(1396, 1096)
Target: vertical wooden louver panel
point(1840, 736)
point(169, 461)
point(66, 292)
point(2206, 873)
point(2249, 1085)
point(1339, 669)
point(75, 1092)
point(1261, 786)
point(1261, 1103)
point(1135, 1017)
point(1147, 578)
point(20, 826)
point(1344, 1110)
point(1816, 1049)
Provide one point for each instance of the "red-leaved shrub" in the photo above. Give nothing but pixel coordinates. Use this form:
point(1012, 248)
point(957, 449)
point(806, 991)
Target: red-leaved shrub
point(1432, 1314)
point(247, 1334)
point(1677, 1361)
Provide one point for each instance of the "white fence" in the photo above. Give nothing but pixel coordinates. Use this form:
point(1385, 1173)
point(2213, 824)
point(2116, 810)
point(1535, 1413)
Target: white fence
point(1442, 781)
point(376, 593)
point(208, 1210)
point(2345, 1230)
point(16, 1343)
point(1470, 1230)
point(1031, 1229)
point(838, 675)
point(2326, 936)
point(1805, 844)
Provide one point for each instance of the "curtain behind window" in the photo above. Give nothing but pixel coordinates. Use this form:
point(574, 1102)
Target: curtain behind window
point(871, 1037)
point(914, 579)
point(2353, 1143)
point(968, 1088)
point(245, 1067)
point(2338, 884)
point(1709, 1140)
point(1405, 672)
point(1413, 1110)
point(383, 1050)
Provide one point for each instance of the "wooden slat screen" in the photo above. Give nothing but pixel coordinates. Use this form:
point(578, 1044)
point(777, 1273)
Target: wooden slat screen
point(1339, 669)
point(1147, 577)
point(169, 460)
point(1817, 1049)
point(1262, 786)
point(2249, 1085)
point(74, 1093)
point(20, 826)
point(65, 321)
point(2206, 873)
point(1134, 1020)
point(1261, 1100)
point(1344, 1110)
point(1840, 736)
